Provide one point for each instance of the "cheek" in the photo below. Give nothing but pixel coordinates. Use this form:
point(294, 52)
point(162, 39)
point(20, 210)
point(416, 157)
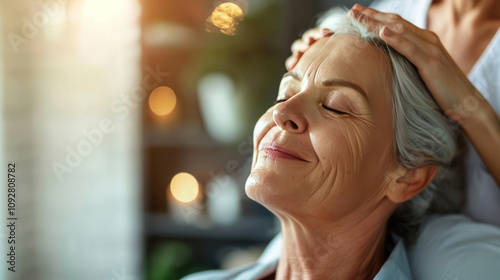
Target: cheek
point(374, 155)
point(340, 146)
point(343, 143)
point(263, 125)
point(382, 150)
point(351, 169)
point(355, 149)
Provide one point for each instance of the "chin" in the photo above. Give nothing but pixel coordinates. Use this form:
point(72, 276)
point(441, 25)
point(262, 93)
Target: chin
point(259, 185)
point(270, 188)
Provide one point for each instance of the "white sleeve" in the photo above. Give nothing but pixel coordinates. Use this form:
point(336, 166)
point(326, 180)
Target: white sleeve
point(388, 6)
point(414, 11)
point(455, 247)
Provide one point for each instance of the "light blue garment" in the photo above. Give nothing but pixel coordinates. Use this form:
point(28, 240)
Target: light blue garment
point(449, 247)
point(455, 247)
point(396, 266)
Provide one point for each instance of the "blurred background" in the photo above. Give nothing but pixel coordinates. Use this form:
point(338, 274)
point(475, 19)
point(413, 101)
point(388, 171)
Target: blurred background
point(130, 126)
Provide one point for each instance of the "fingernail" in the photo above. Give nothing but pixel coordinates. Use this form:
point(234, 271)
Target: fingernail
point(327, 32)
point(388, 32)
point(358, 6)
point(290, 63)
point(355, 13)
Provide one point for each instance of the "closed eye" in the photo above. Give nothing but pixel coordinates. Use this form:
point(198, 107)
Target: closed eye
point(322, 105)
point(333, 110)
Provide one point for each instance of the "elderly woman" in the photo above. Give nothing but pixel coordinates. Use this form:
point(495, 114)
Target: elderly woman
point(347, 159)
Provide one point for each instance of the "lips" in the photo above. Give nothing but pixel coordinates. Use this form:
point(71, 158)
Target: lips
point(276, 151)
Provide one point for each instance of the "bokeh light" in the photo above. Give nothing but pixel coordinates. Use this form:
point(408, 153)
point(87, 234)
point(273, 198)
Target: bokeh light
point(226, 17)
point(162, 100)
point(221, 107)
point(184, 187)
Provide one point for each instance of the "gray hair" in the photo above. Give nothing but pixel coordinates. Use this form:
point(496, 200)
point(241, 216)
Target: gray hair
point(422, 134)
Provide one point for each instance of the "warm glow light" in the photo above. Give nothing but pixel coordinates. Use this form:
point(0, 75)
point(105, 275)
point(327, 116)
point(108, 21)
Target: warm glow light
point(184, 187)
point(102, 10)
point(226, 16)
point(162, 101)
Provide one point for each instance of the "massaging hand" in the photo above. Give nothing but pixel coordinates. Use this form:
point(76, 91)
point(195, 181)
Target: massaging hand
point(449, 86)
point(301, 45)
point(447, 83)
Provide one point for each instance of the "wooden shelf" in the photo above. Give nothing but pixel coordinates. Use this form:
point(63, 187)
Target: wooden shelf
point(187, 136)
point(247, 228)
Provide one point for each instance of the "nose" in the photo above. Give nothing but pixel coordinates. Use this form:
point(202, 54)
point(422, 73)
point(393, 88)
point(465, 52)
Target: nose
point(289, 116)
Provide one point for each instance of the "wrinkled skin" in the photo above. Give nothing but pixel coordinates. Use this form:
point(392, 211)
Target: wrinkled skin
point(349, 154)
point(445, 79)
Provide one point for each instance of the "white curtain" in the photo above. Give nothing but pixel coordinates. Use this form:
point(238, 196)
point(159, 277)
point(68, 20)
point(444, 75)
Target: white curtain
point(68, 70)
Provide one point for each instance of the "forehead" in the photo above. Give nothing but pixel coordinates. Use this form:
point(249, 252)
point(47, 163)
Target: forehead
point(347, 57)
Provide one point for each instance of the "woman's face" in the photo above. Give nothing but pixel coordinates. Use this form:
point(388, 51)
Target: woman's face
point(325, 147)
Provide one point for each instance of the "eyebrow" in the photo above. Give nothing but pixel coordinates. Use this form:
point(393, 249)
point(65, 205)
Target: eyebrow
point(330, 82)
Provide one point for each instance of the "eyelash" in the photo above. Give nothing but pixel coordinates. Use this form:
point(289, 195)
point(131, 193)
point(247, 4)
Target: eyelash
point(322, 105)
point(333, 110)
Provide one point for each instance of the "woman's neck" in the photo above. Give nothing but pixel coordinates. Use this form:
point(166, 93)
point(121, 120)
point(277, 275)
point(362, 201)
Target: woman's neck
point(353, 248)
point(481, 9)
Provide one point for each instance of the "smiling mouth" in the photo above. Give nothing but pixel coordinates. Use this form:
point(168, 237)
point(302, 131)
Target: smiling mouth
point(276, 152)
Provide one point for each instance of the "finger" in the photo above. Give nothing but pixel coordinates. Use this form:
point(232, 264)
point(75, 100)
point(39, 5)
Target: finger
point(298, 45)
point(415, 38)
point(421, 39)
point(327, 32)
point(411, 32)
point(374, 24)
point(314, 33)
point(291, 62)
point(377, 15)
point(371, 24)
point(394, 21)
point(413, 52)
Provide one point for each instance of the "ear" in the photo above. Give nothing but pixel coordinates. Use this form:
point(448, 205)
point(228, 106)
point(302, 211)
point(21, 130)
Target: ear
point(410, 182)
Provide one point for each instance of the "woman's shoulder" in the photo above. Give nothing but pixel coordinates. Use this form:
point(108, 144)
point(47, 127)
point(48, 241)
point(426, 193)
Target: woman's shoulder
point(221, 274)
point(455, 247)
point(265, 265)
